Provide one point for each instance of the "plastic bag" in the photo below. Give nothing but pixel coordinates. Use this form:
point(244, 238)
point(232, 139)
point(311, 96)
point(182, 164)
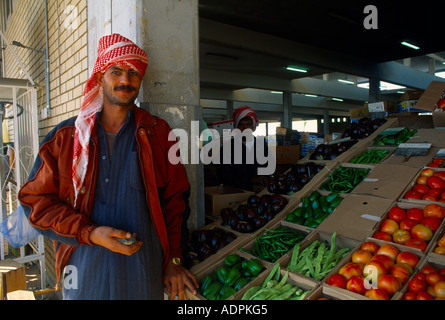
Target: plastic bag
point(17, 230)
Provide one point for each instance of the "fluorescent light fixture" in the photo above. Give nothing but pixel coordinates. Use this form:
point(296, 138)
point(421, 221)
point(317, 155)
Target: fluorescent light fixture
point(410, 45)
point(337, 99)
point(296, 69)
point(383, 86)
point(276, 92)
point(311, 95)
point(345, 81)
point(443, 62)
point(440, 74)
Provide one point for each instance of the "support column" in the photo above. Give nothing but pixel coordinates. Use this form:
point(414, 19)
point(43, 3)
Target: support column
point(287, 109)
point(168, 32)
point(374, 90)
point(325, 121)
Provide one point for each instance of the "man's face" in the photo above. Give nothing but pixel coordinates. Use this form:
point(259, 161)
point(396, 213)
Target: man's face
point(120, 85)
point(245, 123)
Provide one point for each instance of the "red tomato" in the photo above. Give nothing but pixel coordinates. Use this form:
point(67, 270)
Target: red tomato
point(421, 276)
point(438, 161)
point(434, 210)
point(416, 285)
point(414, 213)
point(389, 226)
point(434, 192)
point(397, 214)
point(370, 246)
point(401, 236)
point(434, 277)
point(402, 271)
point(441, 270)
point(413, 195)
point(385, 260)
point(408, 224)
point(408, 258)
point(427, 172)
point(421, 188)
point(440, 250)
point(421, 180)
point(417, 243)
point(410, 296)
point(351, 269)
point(337, 280)
point(382, 236)
point(428, 269)
point(420, 231)
point(356, 284)
point(361, 256)
point(435, 182)
point(432, 222)
point(434, 165)
point(423, 295)
point(429, 197)
point(390, 284)
point(374, 269)
point(389, 250)
point(439, 289)
point(442, 196)
point(440, 174)
point(376, 294)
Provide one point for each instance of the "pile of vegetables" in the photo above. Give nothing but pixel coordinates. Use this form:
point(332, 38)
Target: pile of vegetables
point(372, 156)
point(255, 214)
point(414, 227)
point(376, 271)
point(332, 150)
point(314, 209)
point(295, 179)
point(317, 260)
point(429, 185)
point(235, 273)
point(274, 288)
point(204, 243)
point(427, 284)
point(363, 128)
point(396, 139)
point(344, 179)
point(274, 243)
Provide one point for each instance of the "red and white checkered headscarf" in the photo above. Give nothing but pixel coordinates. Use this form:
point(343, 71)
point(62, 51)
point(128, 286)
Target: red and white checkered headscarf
point(112, 50)
point(243, 112)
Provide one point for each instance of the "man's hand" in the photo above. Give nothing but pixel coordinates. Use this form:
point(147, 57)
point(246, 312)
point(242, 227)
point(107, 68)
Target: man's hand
point(176, 278)
point(106, 237)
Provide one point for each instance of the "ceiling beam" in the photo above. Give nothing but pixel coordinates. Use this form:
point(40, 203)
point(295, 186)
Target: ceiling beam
point(247, 40)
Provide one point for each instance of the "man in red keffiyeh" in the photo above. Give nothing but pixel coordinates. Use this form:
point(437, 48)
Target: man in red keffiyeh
point(103, 189)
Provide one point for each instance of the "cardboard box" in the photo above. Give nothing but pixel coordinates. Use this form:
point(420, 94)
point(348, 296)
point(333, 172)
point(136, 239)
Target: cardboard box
point(434, 244)
point(413, 161)
point(292, 279)
point(386, 181)
point(434, 136)
point(341, 243)
point(408, 106)
point(406, 206)
point(356, 296)
point(358, 113)
point(287, 154)
point(411, 185)
point(217, 198)
point(248, 247)
point(199, 274)
point(429, 100)
point(12, 277)
point(356, 216)
point(413, 120)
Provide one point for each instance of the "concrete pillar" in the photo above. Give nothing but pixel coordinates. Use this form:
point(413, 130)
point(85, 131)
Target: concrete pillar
point(374, 90)
point(169, 32)
point(287, 109)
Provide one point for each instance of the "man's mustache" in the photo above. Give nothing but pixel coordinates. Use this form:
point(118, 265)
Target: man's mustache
point(124, 87)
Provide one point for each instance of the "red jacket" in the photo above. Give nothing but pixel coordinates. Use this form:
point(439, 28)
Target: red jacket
point(48, 195)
